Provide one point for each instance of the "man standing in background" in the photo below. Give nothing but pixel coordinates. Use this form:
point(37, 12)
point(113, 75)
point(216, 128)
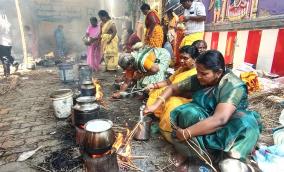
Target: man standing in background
point(6, 45)
point(60, 41)
point(194, 18)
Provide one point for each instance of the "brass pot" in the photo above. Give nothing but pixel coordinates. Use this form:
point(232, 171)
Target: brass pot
point(99, 136)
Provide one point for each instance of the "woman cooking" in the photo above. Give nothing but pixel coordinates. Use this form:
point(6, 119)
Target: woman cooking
point(148, 65)
point(109, 41)
point(188, 55)
point(217, 118)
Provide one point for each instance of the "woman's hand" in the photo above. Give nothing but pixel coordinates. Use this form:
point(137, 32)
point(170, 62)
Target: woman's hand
point(182, 134)
point(181, 19)
point(137, 75)
point(150, 109)
point(150, 87)
point(116, 95)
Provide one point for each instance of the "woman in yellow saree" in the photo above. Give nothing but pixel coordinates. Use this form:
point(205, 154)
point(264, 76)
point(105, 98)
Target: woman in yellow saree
point(188, 55)
point(109, 41)
point(154, 36)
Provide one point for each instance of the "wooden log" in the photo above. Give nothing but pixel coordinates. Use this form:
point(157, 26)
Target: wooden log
point(106, 163)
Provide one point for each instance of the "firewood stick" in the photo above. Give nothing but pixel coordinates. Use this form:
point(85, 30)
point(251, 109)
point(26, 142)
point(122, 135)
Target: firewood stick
point(133, 132)
point(43, 169)
point(137, 157)
point(132, 166)
point(126, 165)
point(171, 163)
point(129, 137)
point(118, 127)
point(73, 169)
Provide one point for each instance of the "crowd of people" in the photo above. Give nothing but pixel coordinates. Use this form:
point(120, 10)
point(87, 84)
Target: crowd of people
point(202, 100)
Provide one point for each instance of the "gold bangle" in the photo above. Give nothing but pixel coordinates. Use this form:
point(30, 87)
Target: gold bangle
point(163, 99)
point(190, 136)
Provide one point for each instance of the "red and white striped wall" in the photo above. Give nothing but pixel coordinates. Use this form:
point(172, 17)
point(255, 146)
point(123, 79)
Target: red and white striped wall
point(264, 48)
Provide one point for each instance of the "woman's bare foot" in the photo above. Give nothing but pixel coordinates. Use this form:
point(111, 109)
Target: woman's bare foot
point(178, 159)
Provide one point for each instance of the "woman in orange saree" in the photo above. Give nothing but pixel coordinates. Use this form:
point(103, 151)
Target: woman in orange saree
point(154, 36)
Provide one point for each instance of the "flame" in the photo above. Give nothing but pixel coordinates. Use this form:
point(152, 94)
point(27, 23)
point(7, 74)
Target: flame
point(122, 144)
point(127, 145)
point(99, 92)
point(118, 142)
point(123, 150)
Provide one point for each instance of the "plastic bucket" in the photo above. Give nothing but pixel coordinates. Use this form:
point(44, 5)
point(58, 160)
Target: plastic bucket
point(62, 101)
point(66, 73)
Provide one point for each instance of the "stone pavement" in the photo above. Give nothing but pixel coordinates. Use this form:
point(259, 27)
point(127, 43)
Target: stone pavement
point(27, 122)
point(26, 118)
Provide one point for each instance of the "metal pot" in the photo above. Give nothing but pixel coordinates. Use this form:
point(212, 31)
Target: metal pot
point(143, 130)
point(85, 73)
point(85, 110)
point(88, 89)
point(99, 136)
point(80, 134)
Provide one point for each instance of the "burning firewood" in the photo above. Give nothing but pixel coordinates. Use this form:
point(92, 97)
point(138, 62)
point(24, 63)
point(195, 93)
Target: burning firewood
point(99, 92)
point(123, 150)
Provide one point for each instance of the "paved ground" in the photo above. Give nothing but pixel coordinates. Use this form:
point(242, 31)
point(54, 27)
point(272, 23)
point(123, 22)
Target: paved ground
point(27, 122)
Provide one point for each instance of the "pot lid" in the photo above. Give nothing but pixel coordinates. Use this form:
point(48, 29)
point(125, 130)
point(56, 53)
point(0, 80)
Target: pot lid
point(98, 125)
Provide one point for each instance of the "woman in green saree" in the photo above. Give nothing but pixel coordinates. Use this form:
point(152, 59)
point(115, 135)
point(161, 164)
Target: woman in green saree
point(149, 65)
point(217, 118)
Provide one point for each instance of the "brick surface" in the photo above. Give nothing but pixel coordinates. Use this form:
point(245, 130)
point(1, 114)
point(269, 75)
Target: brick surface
point(26, 135)
point(26, 116)
point(4, 111)
point(32, 124)
point(43, 127)
point(15, 131)
point(38, 139)
point(12, 143)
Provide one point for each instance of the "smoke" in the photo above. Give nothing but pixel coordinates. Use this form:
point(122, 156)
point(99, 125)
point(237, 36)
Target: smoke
point(41, 18)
